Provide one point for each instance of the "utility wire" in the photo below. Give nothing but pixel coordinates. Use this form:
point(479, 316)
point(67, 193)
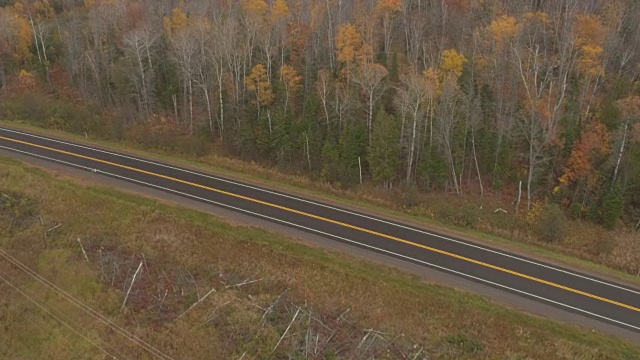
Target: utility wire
point(95, 314)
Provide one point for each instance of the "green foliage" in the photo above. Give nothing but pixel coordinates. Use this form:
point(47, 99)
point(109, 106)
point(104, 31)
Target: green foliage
point(331, 164)
point(612, 207)
point(353, 145)
point(433, 169)
point(551, 225)
point(384, 153)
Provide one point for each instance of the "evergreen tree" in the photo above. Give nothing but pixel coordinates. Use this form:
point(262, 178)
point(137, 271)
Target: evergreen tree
point(384, 152)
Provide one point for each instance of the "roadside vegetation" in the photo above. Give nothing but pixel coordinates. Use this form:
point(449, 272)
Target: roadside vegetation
point(188, 285)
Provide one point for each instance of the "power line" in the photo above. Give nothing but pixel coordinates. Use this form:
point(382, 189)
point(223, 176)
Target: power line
point(57, 317)
point(95, 314)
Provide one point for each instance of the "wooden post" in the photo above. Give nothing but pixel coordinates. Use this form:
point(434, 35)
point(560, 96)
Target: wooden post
point(360, 168)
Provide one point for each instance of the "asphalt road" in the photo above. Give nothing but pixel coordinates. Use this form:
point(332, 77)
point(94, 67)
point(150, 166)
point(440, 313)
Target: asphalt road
point(599, 299)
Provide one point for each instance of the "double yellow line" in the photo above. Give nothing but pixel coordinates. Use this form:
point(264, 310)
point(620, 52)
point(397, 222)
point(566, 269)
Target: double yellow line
point(390, 237)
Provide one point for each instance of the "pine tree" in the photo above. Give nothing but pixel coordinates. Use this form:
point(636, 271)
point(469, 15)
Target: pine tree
point(384, 152)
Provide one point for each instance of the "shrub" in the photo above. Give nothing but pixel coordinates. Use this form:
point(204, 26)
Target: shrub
point(552, 224)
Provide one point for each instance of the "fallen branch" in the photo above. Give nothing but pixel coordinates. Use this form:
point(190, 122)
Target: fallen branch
point(500, 210)
point(211, 317)
point(638, 225)
point(270, 308)
point(242, 283)
point(131, 285)
point(286, 331)
point(343, 314)
point(197, 302)
point(83, 252)
point(51, 229)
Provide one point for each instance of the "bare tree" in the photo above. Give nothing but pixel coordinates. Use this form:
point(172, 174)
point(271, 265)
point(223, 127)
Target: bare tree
point(138, 44)
point(183, 51)
point(370, 79)
point(411, 98)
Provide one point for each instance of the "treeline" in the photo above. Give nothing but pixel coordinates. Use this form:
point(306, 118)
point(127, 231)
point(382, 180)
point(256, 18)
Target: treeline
point(534, 99)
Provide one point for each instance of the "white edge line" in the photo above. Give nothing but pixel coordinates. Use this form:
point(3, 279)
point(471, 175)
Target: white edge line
point(334, 236)
point(336, 209)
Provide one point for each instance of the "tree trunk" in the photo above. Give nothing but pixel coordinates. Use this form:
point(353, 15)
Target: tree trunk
point(475, 159)
point(620, 153)
point(413, 145)
point(221, 104)
point(190, 87)
point(209, 113)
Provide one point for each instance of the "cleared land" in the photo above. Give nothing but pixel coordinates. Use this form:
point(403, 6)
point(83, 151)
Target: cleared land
point(207, 289)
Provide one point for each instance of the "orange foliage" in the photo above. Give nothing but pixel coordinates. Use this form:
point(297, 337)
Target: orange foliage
point(589, 30)
point(176, 22)
point(503, 29)
point(386, 7)
point(592, 148)
point(27, 81)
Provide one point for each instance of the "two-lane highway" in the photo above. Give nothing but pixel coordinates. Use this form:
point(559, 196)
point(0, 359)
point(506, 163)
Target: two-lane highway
point(596, 298)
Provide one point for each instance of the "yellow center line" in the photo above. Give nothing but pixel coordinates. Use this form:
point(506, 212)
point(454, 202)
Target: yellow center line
point(390, 237)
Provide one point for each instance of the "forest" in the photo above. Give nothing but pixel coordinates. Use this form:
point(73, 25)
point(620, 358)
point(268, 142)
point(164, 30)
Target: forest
point(529, 99)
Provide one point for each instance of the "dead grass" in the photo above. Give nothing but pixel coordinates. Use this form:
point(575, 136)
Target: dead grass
point(346, 308)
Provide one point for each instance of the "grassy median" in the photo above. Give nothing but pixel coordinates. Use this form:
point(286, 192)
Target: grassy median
point(196, 287)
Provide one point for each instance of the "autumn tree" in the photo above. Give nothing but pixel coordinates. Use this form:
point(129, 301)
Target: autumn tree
point(584, 164)
point(15, 42)
point(544, 87)
point(291, 81)
point(258, 82)
point(349, 46)
point(388, 11)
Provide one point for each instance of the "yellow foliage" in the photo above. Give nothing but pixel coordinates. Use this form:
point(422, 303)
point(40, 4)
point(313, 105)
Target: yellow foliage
point(452, 62)
point(258, 82)
point(504, 29)
point(535, 212)
point(290, 77)
point(178, 20)
point(17, 35)
point(589, 30)
point(537, 17)
point(279, 11)
point(26, 80)
point(384, 7)
point(255, 8)
point(591, 60)
point(349, 43)
point(43, 9)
